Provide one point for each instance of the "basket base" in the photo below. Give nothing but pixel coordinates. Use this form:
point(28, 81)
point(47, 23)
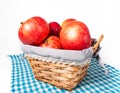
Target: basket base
point(60, 75)
point(60, 84)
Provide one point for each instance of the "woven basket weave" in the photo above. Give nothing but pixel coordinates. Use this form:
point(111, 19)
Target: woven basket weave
point(61, 75)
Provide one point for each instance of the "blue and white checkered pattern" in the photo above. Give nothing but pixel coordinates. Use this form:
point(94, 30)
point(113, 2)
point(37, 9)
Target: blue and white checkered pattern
point(96, 81)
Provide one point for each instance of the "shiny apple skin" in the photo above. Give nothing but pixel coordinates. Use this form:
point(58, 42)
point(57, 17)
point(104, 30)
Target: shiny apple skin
point(51, 42)
point(33, 31)
point(55, 28)
point(66, 21)
point(75, 36)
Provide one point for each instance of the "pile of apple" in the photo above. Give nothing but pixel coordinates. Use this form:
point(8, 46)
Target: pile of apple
point(71, 34)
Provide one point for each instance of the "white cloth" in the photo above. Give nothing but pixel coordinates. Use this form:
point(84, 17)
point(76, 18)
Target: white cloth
point(74, 55)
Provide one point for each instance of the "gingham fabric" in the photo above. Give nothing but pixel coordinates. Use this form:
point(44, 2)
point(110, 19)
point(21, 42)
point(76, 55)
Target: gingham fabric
point(96, 81)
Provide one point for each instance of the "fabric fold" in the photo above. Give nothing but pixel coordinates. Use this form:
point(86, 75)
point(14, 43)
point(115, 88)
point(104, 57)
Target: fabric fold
point(58, 53)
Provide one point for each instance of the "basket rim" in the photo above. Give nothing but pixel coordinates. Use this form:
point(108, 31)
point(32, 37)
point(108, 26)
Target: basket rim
point(58, 60)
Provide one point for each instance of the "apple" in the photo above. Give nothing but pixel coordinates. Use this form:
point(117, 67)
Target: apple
point(33, 31)
point(75, 35)
point(54, 28)
point(51, 42)
point(67, 21)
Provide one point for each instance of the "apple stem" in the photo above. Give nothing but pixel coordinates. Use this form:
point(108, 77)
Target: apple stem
point(21, 22)
point(46, 41)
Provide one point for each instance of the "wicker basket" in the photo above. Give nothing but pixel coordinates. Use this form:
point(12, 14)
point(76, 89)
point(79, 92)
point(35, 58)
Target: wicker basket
point(61, 75)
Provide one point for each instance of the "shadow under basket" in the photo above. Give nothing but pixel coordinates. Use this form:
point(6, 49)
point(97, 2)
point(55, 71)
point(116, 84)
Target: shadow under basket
point(61, 75)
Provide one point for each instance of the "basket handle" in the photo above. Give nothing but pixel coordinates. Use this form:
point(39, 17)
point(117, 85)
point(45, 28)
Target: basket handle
point(97, 43)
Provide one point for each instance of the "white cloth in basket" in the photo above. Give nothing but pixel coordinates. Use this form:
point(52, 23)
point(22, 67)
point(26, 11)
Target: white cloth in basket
point(74, 55)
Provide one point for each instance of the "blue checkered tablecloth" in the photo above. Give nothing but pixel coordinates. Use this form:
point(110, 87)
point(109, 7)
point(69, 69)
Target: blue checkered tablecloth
point(96, 81)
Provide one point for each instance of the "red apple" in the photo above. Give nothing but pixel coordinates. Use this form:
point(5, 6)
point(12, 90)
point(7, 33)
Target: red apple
point(33, 31)
point(67, 21)
point(75, 35)
point(51, 42)
point(54, 28)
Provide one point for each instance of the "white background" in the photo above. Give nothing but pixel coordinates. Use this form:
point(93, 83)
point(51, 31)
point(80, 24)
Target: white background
point(101, 17)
